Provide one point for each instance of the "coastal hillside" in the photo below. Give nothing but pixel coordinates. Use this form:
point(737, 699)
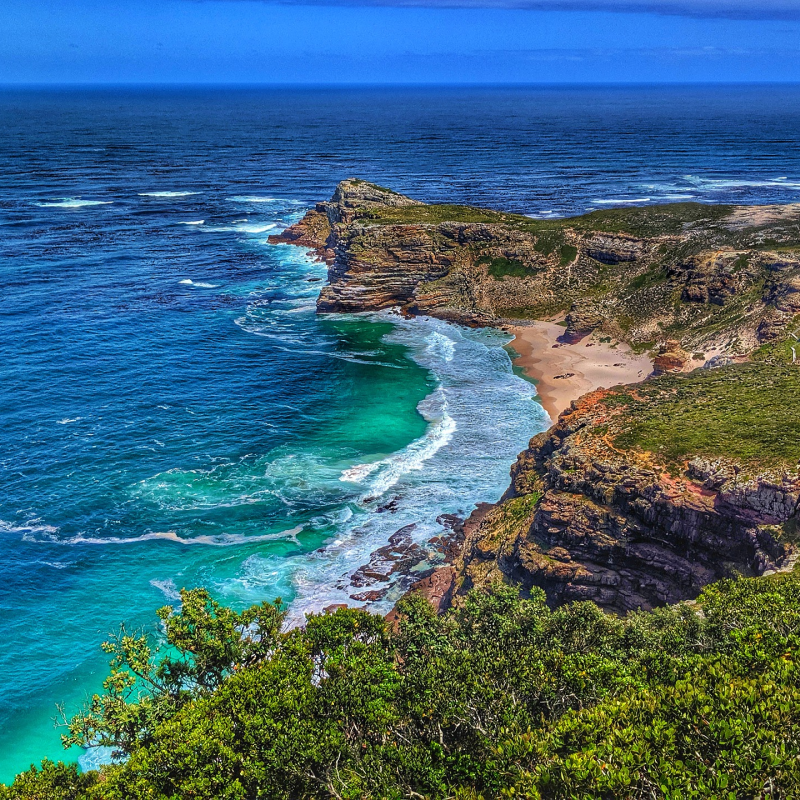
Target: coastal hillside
point(640, 495)
point(699, 280)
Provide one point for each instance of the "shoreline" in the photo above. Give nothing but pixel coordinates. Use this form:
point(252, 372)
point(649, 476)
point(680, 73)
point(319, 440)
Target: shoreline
point(563, 372)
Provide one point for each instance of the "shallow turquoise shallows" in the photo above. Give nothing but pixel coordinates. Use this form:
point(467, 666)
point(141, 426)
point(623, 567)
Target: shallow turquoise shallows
point(174, 414)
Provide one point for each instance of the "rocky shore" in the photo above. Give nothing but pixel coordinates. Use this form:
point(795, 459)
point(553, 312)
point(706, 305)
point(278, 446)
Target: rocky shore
point(640, 494)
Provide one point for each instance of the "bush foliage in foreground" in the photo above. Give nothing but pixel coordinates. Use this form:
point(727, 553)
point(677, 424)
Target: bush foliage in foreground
point(501, 698)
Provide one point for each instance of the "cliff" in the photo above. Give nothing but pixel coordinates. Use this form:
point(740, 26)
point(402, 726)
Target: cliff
point(639, 495)
point(714, 279)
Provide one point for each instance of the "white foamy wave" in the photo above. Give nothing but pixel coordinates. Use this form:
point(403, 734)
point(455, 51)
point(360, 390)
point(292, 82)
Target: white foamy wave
point(481, 417)
point(710, 184)
point(166, 194)
point(250, 227)
point(412, 458)
point(193, 222)
point(167, 588)
point(359, 473)
point(441, 345)
point(30, 530)
point(621, 201)
point(74, 202)
point(199, 284)
point(67, 421)
point(251, 198)
point(217, 540)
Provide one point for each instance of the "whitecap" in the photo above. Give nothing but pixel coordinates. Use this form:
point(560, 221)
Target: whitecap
point(253, 198)
point(193, 222)
point(75, 202)
point(253, 227)
point(166, 194)
point(441, 345)
point(212, 540)
point(167, 588)
point(67, 421)
point(30, 530)
point(199, 284)
point(359, 472)
point(621, 201)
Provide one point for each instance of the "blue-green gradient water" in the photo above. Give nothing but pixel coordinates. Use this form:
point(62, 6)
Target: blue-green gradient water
point(173, 411)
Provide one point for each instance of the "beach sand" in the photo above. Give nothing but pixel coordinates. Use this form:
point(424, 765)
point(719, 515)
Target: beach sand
point(564, 372)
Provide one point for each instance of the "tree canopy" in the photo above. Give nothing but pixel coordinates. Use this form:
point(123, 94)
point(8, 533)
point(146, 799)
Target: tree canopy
point(501, 697)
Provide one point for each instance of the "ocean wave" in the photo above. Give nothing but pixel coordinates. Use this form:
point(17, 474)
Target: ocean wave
point(212, 540)
point(252, 227)
point(481, 416)
point(68, 421)
point(166, 194)
point(167, 588)
point(199, 284)
point(441, 345)
point(713, 184)
point(193, 222)
point(621, 201)
point(30, 529)
point(250, 198)
point(74, 202)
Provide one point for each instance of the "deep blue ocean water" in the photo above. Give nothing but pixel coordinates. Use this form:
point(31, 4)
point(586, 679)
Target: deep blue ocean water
point(173, 412)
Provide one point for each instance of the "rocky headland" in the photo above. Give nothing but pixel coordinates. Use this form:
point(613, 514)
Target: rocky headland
point(640, 494)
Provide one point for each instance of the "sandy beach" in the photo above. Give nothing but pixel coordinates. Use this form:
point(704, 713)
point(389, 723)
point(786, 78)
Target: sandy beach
point(566, 371)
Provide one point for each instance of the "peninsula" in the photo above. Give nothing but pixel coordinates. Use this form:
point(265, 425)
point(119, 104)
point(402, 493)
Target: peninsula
point(664, 336)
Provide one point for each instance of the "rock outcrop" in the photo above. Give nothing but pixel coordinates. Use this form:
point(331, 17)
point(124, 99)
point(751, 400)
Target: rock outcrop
point(724, 279)
point(590, 515)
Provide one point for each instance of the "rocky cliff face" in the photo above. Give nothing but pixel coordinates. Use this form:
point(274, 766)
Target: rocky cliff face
point(600, 508)
point(638, 495)
point(713, 278)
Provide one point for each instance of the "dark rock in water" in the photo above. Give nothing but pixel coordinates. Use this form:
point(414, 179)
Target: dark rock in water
point(370, 596)
point(391, 506)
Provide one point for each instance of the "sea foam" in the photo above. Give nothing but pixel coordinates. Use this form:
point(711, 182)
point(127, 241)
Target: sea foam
point(74, 202)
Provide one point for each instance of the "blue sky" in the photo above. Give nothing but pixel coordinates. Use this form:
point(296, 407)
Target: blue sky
point(399, 41)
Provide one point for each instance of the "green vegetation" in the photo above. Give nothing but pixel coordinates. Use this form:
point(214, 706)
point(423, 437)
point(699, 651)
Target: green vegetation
point(568, 254)
point(744, 412)
point(435, 214)
point(653, 220)
point(500, 267)
point(502, 697)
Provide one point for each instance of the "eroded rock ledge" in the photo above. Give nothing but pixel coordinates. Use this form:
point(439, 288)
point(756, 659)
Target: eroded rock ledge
point(611, 504)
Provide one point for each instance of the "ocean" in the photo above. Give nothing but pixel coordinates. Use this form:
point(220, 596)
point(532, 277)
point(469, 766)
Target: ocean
point(174, 414)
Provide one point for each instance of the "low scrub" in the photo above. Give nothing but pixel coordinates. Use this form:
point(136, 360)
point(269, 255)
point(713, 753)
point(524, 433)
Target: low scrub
point(502, 697)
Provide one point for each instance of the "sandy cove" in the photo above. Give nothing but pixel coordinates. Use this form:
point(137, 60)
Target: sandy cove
point(564, 372)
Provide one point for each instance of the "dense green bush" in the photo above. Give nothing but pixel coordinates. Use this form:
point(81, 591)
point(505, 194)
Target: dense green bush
point(502, 697)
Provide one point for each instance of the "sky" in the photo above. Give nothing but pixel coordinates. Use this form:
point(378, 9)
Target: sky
point(399, 41)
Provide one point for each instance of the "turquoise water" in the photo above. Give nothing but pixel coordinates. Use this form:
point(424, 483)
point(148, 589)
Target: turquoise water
point(173, 411)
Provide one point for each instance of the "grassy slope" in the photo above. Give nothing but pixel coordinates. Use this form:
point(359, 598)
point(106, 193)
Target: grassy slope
point(748, 413)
